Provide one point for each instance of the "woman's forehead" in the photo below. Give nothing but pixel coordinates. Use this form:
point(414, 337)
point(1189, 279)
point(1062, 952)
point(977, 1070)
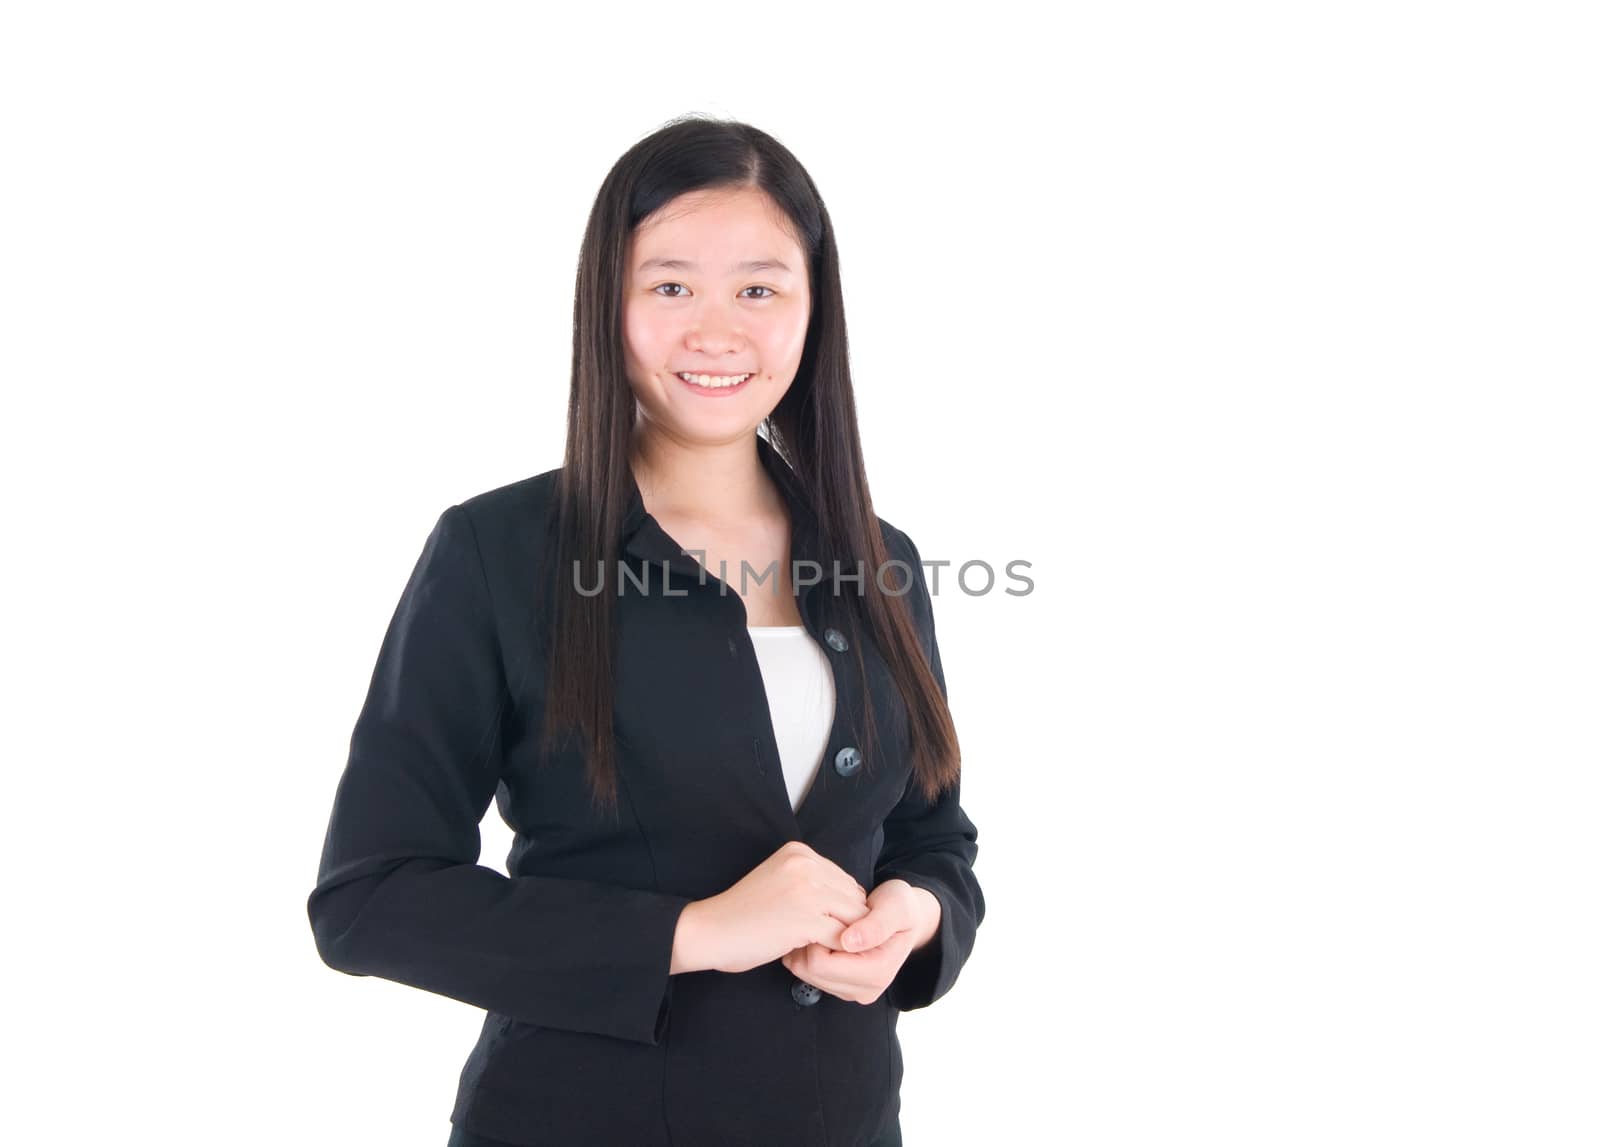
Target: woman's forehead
point(713, 230)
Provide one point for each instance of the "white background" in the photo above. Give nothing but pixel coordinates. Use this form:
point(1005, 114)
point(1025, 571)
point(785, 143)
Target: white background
point(1266, 332)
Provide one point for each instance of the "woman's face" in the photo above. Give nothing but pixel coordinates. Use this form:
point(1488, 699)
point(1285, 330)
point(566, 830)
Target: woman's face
point(715, 285)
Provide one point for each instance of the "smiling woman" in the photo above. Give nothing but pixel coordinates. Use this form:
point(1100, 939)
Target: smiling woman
point(710, 322)
point(740, 850)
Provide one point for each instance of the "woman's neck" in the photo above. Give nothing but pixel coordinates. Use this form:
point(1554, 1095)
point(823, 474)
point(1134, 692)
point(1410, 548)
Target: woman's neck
point(715, 484)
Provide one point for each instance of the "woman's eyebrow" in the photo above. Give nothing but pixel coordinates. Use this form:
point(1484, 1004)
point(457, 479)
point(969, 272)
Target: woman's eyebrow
point(686, 265)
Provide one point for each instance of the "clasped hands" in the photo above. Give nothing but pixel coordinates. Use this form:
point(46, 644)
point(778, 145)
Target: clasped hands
point(869, 952)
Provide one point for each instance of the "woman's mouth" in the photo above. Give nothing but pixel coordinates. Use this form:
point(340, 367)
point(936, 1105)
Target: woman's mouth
point(715, 385)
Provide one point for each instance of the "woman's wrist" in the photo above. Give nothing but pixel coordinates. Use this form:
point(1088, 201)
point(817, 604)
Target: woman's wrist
point(688, 940)
point(932, 916)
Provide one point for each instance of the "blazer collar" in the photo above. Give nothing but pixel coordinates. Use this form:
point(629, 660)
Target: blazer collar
point(642, 536)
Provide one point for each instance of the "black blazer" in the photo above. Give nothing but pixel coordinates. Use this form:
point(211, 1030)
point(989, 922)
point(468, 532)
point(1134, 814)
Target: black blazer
point(587, 1038)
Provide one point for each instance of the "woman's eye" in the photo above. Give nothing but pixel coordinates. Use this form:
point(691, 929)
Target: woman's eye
point(677, 291)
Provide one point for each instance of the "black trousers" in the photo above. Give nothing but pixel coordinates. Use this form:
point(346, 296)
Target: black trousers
point(461, 1137)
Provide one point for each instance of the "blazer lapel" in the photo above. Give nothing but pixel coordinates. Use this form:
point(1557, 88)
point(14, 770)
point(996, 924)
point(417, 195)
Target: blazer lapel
point(823, 615)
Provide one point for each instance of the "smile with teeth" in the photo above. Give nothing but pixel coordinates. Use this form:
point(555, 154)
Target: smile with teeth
point(714, 381)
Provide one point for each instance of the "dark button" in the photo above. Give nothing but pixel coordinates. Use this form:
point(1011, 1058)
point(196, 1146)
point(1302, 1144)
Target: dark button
point(847, 761)
point(804, 994)
point(836, 640)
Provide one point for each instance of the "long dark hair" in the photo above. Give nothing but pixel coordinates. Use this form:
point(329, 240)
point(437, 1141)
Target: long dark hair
point(813, 428)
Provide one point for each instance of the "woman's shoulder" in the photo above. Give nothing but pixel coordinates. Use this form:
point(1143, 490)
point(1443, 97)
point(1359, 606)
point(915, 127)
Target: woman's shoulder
point(510, 525)
point(518, 509)
point(897, 541)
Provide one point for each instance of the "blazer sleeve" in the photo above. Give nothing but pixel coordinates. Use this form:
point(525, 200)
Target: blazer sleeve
point(932, 846)
point(399, 892)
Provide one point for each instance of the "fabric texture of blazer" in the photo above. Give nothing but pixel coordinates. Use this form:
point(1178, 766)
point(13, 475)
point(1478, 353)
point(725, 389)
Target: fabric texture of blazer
point(587, 1038)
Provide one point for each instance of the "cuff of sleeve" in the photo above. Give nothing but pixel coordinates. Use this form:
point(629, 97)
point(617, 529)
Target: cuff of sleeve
point(655, 1005)
point(628, 998)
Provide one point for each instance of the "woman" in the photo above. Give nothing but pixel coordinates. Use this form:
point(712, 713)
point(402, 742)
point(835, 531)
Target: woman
point(699, 677)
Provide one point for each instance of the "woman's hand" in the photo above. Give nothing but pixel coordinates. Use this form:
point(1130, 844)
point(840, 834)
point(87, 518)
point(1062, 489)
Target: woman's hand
point(901, 919)
point(794, 898)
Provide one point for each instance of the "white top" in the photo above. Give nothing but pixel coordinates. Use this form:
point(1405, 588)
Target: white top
point(800, 693)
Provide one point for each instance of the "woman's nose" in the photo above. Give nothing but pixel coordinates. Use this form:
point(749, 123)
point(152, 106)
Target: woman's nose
point(714, 329)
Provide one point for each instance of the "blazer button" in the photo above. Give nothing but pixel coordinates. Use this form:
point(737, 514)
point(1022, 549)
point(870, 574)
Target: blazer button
point(847, 761)
point(836, 640)
point(804, 994)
